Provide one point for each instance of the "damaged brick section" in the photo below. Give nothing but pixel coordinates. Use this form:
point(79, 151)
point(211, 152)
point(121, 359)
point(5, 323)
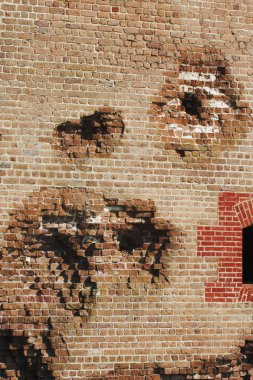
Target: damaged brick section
point(46, 270)
point(236, 366)
point(199, 108)
point(20, 359)
point(142, 239)
point(60, 248)
point(93, 135)
point(51, 243)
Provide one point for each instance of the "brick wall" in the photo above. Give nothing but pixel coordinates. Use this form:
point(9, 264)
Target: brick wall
point(126, 181)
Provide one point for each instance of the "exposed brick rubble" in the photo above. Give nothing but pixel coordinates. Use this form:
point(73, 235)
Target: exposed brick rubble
point(199, 108)
point(142, 239)
point(60, 247)
point(95, 134)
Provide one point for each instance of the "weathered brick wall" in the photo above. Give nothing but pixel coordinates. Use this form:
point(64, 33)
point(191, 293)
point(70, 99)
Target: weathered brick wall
point(126, 181)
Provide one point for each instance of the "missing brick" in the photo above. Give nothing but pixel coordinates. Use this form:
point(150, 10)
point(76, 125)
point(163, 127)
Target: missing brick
point(142, 237)
point(192, 104)
point(221, 70)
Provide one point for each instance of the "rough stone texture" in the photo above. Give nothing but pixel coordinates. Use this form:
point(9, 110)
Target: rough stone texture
point(146, 302)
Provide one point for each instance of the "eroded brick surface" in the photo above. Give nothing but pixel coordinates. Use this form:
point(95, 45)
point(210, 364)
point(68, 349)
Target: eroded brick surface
point(199, 108)
point(60, 248)
point(95, 134)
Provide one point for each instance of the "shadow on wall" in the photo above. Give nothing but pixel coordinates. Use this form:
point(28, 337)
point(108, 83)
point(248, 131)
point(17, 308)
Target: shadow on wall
point(20, 359)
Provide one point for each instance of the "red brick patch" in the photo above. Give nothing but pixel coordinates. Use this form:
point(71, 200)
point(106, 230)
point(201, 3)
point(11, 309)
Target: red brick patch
point(225, 242)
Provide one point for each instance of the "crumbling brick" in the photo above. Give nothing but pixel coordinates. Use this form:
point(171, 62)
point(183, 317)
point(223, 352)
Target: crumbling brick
point(199, 109)
point(236, 366)
point(66, 58)
point(20, 359)
point(60, 248)
point(95, 134)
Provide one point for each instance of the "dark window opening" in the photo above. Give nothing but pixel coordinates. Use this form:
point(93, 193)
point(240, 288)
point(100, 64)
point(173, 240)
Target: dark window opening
point(191, 104)
point(247, 255)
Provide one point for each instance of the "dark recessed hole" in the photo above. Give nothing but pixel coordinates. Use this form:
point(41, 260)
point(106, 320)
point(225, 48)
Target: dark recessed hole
point(159, 104)
point(129, 240)
point(22, 360)
point(247, 257)
point(191, 104)
point(181, 152)
point(223, 361)
point(173, 377)
point(247, 350)
point(232, 104)
point(221, 70)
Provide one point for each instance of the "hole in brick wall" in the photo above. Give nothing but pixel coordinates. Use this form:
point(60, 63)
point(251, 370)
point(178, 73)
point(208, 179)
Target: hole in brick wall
point(129, 240)
point(247, 256)
point(247, 350)
point(191, 104)
point(221, 70)
point(232, 103)
point(140, 235)
point(95, 134)
point(197, 108)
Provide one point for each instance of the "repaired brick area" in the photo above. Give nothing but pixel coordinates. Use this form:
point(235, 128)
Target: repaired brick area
point(60, 248)
point(95, 134)
point(199, 108)
point(225, 243)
